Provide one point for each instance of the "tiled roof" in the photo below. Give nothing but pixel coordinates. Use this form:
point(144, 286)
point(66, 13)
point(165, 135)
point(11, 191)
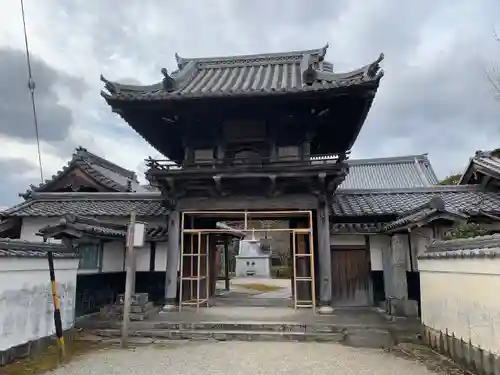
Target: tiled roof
point(101, 170)
point(460, 248)
point(430, 211)
point(250, 74)
point(411, 171)
point(76, 225)
point(470, 200)
point(361, 228)
point(484, 161)
point(90, 204)
point(26, 249)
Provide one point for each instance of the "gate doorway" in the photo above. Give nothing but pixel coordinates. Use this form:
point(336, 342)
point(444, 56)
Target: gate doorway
point(350, 277)
point(203, 231)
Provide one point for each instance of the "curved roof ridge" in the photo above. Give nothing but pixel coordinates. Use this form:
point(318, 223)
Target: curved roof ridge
point(390, 159)
point(423, 189)
point(181, 61)
point(105, 163)
point(84, 159)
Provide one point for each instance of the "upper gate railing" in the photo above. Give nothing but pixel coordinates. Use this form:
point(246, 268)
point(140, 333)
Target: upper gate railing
point(244, 162)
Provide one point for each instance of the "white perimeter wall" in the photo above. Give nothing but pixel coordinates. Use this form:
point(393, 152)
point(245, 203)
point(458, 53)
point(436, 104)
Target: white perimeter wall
point(461, 297)
point(26, 307)
point(113, 252)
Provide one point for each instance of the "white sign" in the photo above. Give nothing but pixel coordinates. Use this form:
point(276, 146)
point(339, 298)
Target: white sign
point(139, 230)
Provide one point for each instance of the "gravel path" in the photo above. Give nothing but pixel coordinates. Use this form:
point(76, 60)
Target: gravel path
point(241, 358)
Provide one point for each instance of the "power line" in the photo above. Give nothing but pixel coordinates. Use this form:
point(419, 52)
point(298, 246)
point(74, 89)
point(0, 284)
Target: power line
point(31, 87)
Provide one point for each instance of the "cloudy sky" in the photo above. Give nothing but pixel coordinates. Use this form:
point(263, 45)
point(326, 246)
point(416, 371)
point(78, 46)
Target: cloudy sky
point(435, 97)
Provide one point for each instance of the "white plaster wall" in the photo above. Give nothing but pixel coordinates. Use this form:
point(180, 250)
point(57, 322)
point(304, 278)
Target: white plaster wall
point(161, 256)
point(347, 239)
point(113, 256)
point(143, 258)
point(460, 296)
point(420, 239)
point(26, 308)
point(31, 225)
point(377, 244)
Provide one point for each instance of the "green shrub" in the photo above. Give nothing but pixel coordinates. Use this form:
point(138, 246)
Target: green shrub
point(468, 230)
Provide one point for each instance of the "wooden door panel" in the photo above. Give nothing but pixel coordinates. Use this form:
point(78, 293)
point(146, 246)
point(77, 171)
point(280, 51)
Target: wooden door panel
point(350, 278)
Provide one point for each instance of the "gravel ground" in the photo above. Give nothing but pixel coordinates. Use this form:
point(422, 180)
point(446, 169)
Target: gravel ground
point(241, 358)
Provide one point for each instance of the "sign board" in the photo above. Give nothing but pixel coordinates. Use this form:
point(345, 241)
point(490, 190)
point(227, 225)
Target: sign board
point(139, 230)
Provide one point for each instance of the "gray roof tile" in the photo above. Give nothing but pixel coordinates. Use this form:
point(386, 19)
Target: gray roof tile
point(69, 225)
point(411, 171)
point(249, 74)
point(485, 161)
point(104, 172)
point(465, 199)
point(27, 249)
point(90, 204)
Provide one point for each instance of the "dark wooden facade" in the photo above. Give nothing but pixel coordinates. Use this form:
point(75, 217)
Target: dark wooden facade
point(256, 132)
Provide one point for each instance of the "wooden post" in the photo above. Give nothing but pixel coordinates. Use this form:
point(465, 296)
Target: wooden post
point(226, 262)
point(128, 280)
point(57, 308)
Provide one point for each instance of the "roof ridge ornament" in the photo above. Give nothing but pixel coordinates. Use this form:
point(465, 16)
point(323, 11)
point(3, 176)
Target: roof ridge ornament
point(374, 67)
point(168, 82)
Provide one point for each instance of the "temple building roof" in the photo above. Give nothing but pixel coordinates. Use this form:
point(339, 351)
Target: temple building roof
point(431, 211)
point(258, 74)
point(390, 173)
point(484, 164)
point(89, 204)
point(468, 199)
point(87, 170)
point(78, 227)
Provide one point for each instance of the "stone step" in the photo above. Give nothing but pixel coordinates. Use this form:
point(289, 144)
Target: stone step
point(351, 336)
point(249, 301)
point(249, 326)
point(227, 335)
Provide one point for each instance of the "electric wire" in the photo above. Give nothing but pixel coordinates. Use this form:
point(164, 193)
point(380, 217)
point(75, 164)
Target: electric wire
point(31, 87)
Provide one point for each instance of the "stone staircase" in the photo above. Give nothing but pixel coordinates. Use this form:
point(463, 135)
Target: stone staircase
point(353, 327)
point(356, 336)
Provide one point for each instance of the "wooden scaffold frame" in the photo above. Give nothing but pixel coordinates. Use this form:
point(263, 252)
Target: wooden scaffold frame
point(299, 253)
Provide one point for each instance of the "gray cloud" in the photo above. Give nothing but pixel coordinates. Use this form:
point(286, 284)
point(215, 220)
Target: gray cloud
point(15, 183)
point(435, 97)
point(16, 116)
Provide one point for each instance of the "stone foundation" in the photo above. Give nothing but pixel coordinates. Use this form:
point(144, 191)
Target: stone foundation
point(140, 308)
point(33, 348)
point(474, 359)
point(399, 307)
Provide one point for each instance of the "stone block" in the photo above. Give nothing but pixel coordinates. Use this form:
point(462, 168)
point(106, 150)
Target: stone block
point(136, 299)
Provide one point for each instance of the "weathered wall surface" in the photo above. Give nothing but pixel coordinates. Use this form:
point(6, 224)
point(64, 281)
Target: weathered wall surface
point(26, 308)
point(460, 280)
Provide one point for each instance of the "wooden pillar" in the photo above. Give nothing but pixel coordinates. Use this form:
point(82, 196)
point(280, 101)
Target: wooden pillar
point(324, 257)
point(226, 262)
point(173, 255)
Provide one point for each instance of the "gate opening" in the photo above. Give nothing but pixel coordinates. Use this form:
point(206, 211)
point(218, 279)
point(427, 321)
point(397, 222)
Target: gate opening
point(203, 231)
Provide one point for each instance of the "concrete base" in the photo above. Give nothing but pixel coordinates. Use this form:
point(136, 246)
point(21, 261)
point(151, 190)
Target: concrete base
point(402, 307)
point(473, 358)
point(33, 348)
point(325, 310)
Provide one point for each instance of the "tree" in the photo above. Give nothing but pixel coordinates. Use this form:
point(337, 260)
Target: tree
point(451, 179)
point(494, 75)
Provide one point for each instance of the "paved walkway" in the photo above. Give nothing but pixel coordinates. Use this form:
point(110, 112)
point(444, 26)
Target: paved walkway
point(242, 358)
